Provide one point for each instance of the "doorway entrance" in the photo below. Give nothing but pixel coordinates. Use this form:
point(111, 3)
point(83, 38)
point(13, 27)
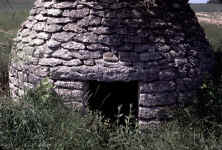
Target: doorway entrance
point(114, 99)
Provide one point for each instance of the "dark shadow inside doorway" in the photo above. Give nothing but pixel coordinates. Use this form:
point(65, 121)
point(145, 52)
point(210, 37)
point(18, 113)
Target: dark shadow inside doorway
point(115, 100)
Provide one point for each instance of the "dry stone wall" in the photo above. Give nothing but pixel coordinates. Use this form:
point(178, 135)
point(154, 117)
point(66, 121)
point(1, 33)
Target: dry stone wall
point(72, 42)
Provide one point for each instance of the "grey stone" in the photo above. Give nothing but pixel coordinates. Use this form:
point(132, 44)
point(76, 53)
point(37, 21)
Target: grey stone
point(128, 56)
point(136, 13)
point(38, 42)
point(103, 39)
point(64, 5)
point(43, 35)
point(48, 4)
point(179, 62)
point(54, 12)
point(100, 30)
point(53, 44)
point(33, 12)
point(110, 57)
point(89, 54)
point(83, 23)
point(25, 33)
point(14, 82)
point(98, 13)
point(73, 27)
point(164, 48)
point(34, 61)
point(109, 64)
point(70, 84)
point(50, 62)
point(38, 3)
point(89, 62)
point(33, 79)
point(28, 50)
point(52, 28)
point(80, 6)
point(168, 74)
point(27, 39)
point(144, 48)
point(88, 38)
point(60, 20)
point(117, 74)
point(39, 26)
point(65, 73)
point(33, 35)
point(125, 48)
point(158, 86)
point(40, 17)
point(160, 40)
point(94, 21)
point(73, 45)
point(44, 50)
point(28, 86)
point(29, 24)
point(156, 113)
point(96, 47)
point(63, 54)
point(73, 62)
point(69, 95)
point(62, 36)
point(43, 11)
point(21, 92)
point(150, 56)
point(41, 71)
point(22, 76)
point(79, 13)
point(157, 99)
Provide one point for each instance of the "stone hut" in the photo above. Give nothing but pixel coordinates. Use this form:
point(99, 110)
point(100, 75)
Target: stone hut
point(151, 54)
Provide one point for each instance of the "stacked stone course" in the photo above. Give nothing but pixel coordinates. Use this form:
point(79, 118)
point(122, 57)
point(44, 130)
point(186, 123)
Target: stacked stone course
point(73, 42)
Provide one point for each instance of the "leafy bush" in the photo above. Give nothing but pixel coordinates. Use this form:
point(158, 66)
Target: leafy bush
point(208, 102)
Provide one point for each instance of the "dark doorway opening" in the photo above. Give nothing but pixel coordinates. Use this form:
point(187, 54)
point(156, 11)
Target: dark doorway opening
point(115, 100)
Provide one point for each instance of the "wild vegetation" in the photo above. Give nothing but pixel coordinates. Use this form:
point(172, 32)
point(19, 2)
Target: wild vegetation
point(36, 123)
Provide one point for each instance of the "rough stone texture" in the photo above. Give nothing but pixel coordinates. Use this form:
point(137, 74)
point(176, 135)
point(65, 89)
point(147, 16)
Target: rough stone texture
point(72, 42)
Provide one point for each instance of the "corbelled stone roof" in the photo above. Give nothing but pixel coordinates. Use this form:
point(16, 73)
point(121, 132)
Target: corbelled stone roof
point(162, 46)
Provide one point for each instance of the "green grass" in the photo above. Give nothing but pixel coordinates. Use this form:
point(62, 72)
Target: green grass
point(214, 35)
point(10, 21)
point(40, 121)
point(15, 5)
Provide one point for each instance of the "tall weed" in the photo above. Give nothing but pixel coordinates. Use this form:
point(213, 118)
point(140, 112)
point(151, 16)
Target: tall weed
point(41, 121)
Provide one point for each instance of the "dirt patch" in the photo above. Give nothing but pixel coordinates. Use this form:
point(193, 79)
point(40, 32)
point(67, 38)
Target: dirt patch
point(210, 17)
